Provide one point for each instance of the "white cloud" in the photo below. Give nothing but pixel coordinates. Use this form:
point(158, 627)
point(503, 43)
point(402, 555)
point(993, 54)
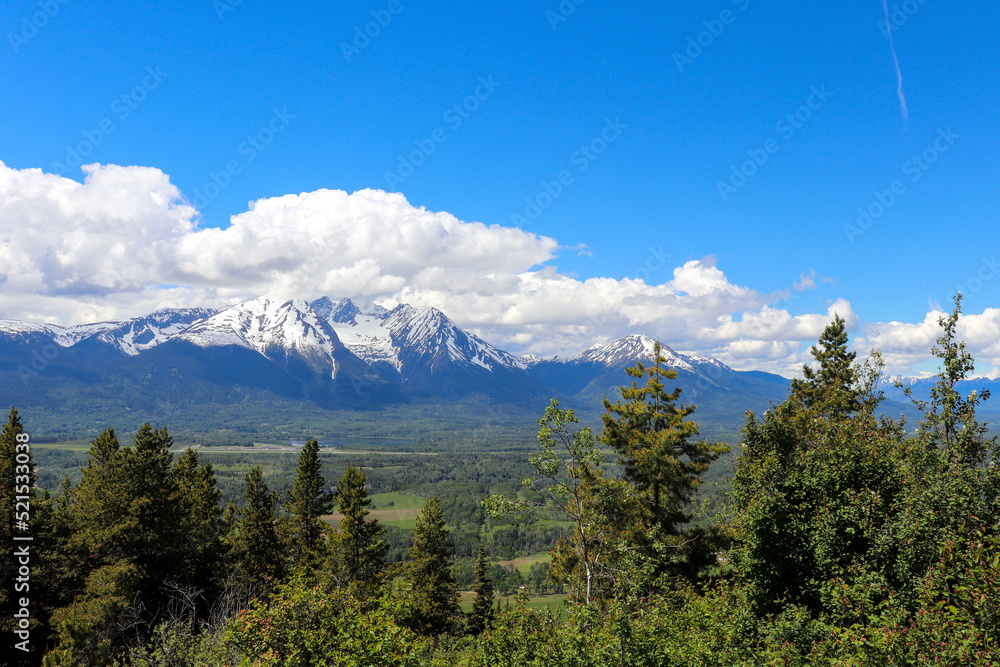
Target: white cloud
point(126, 242)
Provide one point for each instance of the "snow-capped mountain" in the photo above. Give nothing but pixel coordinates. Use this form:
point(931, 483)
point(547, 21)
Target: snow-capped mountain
point(141, 333)
point(339, 353)
point(14, 331)
point(635, 347)
point(415, 342)
point(280, 331)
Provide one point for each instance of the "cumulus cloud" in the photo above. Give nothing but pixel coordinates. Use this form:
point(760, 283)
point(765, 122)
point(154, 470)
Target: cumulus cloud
point(126, 242)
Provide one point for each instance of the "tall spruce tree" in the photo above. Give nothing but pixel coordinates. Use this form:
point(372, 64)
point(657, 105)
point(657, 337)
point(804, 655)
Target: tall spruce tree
point(126, 522)
point(157, 543)
point(308, 501)
point(202, 524)
point(434, 596)
point(832, 390)
point(482, 614)
point(256, 546)
point(359, 548)
point(662, 461)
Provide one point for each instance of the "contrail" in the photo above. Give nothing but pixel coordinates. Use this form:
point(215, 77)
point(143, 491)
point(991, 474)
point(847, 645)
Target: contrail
point(895, 60)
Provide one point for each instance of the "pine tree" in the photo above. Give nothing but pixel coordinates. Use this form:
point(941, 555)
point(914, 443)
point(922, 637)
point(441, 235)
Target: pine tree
point(308, 501)
point(99, 509)
point(256, 547)
point(202, 522)
point(359, 549)
point(654, 441)
point(482, 614)
point(832, 390)
point(435, 594)
point(157, 542)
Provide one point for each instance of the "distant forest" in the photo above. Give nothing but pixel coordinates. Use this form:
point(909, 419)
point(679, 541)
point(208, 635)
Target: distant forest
point(831, 534)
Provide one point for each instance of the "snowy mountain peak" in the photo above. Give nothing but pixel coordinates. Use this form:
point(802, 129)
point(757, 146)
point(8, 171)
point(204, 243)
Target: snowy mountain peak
point(270, 327)
point(529, 360)
point(407, 337)
point(141, 333)
point(636, 347)
point(625, 349)
point(346, 311)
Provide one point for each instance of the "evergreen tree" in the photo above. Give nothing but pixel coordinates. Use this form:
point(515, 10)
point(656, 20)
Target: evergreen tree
point(126, 532)
point(654, 441)
point(359, 546)
point(482, 614)
point(202, 523)
point(308, 501)
point(434, 593)
point(256, 546)
point(157, 541)
point(832, 390)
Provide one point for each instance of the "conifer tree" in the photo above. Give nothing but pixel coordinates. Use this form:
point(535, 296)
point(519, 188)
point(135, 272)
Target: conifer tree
point(157, 542)
point(256, 546)
point(308, 501)
point(832, 390)
point(99, 509)
point(359, 548)
point(654, 441)
point(482, 614)
point(435, 594)
point(202, 522)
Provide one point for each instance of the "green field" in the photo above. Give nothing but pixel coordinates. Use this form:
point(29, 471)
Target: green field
point(555, 602)
point(390, 509)
point(524, 563)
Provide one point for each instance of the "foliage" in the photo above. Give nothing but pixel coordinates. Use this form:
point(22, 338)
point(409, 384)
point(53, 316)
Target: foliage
point(358, 550)
point(663, 464)
point(434, 595)
point(304, 625)
point(307, 502)
point(482, 614)
point(851, 543)
point(831, 390)
point(256, 548)
point(568, 479)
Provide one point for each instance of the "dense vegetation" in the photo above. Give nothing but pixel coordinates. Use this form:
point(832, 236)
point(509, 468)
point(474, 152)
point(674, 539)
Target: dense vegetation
point(845, 540)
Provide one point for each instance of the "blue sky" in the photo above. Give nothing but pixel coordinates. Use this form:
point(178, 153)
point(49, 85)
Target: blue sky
point(642, 108)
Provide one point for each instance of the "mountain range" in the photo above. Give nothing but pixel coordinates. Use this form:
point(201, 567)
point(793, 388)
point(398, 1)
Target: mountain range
point(227, 366)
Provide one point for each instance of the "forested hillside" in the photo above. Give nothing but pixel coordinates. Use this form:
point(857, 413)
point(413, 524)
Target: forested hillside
point(848, 538)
